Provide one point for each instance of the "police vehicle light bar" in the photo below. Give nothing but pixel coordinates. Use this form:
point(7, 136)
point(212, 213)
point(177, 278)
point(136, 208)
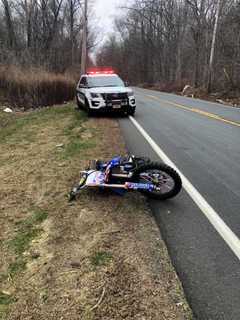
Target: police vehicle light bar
point(100, 70)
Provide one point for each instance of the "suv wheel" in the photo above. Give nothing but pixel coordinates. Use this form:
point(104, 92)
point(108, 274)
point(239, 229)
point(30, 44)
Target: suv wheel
point(90, 112)
point(79, 105)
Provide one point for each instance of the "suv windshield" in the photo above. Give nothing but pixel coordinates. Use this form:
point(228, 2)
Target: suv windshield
point(103, 81)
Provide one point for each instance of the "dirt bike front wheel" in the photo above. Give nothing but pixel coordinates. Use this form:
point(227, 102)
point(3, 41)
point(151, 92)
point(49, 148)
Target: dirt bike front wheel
point(166, 180)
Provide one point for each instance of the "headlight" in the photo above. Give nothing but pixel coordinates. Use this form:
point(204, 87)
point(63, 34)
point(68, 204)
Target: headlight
point(95, 95)
point(130, 94)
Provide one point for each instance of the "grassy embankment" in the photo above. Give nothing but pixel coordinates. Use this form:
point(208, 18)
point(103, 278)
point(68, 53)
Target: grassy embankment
point(99, 258)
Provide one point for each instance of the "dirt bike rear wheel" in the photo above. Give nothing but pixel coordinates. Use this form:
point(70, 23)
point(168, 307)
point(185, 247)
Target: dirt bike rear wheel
point(162, 176)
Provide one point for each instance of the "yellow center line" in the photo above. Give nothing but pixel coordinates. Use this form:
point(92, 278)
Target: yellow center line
point(199, 111)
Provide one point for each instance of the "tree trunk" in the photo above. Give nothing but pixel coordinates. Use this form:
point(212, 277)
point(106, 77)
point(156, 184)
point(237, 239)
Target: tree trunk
point(210, 75)
point(84, 40)
point(9, 25)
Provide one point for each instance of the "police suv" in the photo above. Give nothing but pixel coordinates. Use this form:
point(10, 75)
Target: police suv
point(101, 90)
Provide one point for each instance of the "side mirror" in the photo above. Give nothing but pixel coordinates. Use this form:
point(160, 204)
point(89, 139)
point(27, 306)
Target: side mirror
point(126, 84)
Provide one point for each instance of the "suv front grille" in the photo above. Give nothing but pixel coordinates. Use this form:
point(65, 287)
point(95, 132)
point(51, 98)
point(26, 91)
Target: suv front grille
point(115, 96)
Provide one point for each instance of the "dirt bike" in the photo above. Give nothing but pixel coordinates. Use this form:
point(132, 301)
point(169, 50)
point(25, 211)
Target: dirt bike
point(121, 174)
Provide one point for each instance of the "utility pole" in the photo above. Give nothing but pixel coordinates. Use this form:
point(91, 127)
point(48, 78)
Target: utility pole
point(84, 39)
point(210, 73)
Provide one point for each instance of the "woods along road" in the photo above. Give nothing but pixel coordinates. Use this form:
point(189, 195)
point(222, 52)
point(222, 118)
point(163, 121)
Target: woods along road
point(201, 226)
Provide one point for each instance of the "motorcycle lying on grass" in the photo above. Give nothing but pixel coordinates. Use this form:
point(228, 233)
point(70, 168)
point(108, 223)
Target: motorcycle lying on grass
point(121, 174)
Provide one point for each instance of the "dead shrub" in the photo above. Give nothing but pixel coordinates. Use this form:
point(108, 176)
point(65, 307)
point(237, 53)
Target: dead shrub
point(34, 87)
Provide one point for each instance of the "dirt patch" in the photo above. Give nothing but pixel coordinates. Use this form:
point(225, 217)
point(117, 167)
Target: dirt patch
point(99, 258)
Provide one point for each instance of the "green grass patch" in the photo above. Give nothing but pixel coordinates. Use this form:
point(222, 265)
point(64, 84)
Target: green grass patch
point(77, 118)
point(27, 230)
point(23, 130)
point(19, 128)
point(37, 217)
point(6, 119)
point(22, 240)
point(74, 148)
point(101, 258)
point(16, 130)
point(76, 143)
point(16, 267)
point(5, 301)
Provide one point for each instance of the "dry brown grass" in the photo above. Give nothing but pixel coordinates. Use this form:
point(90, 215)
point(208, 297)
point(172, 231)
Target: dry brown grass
point(99, 258)
point(34, 87)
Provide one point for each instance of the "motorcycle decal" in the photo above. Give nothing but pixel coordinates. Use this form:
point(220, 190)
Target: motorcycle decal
point(139, 186)
point(95, 178)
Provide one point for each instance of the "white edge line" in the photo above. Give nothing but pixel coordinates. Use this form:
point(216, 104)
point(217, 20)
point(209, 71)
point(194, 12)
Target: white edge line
point(225, 232)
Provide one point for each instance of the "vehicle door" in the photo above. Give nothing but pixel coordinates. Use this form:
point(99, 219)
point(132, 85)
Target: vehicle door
point(81, 89)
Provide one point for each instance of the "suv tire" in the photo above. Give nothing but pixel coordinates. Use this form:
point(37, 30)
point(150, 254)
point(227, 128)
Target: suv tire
point(90, 112)
point(79, 105)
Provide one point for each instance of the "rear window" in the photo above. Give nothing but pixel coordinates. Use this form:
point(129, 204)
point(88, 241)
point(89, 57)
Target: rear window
point(103, 81)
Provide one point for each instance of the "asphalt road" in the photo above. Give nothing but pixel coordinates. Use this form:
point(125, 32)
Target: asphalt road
point(203, 140)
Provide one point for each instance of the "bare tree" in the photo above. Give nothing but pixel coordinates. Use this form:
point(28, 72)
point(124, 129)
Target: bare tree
point(9, 24)
point(43, 33)
point(172, 42)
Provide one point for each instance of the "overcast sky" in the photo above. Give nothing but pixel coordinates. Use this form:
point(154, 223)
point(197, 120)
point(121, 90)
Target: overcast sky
point(105, 10)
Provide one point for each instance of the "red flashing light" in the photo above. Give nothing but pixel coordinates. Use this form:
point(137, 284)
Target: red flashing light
point(100, 70)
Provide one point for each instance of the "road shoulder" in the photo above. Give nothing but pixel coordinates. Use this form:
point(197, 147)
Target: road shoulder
point(100, 258)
